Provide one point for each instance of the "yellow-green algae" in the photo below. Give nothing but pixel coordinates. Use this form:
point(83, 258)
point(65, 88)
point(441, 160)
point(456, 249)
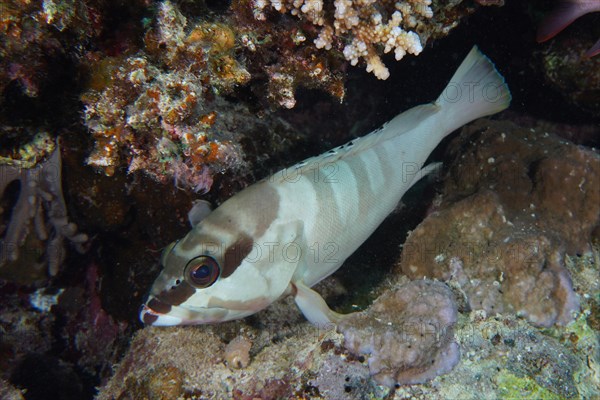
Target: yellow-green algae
point(511, 386)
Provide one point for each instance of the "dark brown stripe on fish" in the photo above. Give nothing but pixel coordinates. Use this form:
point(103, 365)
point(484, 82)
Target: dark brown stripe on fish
point(259, 203)
point(328, 213)
point(264, 206)
point(158, 306)
point(176, 295)
point(365, 195)
point(235, 254)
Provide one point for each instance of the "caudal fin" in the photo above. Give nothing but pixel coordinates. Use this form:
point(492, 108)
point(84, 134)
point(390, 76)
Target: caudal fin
point(476, 89)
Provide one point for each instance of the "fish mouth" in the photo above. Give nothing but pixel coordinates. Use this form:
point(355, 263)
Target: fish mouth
point(150, 317)
point(156, 313)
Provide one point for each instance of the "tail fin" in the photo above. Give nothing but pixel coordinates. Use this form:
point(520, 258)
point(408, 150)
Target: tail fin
point(476, 89)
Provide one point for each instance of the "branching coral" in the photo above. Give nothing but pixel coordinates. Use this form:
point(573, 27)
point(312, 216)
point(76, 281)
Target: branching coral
point(40, 203)
point(156, 108)
point(312, 47)
point(281, 52)
point(367, 27)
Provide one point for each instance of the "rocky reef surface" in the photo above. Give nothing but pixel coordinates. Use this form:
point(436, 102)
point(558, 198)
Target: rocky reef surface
point(501, 229)
point(116, 116)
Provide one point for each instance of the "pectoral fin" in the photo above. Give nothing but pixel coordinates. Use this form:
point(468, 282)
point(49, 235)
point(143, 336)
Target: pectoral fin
point(200, 210)
point(313, 306)
point(433, 168)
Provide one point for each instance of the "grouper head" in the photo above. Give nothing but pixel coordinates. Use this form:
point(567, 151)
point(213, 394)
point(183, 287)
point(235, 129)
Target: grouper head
point(227, 267)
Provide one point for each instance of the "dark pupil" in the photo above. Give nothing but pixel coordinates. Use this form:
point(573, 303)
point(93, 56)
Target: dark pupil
point(201, 273)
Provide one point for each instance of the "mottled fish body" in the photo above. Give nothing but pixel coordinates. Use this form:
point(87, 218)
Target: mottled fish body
point(285, 233)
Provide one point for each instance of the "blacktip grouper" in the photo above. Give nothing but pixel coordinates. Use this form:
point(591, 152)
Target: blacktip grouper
point(285, 233)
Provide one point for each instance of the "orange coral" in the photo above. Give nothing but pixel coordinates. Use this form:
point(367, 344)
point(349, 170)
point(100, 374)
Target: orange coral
point(155, 109)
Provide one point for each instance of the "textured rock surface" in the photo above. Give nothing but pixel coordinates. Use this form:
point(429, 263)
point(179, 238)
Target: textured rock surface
point(502, 356)
point(502, 228)
point(567, 69)
point(407, 335)
point(288, 361)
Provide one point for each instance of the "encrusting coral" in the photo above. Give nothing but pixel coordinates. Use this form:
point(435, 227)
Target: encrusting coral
point(40, 203)
point(33, 36)
point(155, 109)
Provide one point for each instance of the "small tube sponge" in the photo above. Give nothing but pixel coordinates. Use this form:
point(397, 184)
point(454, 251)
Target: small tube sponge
point(237, 352)
point(407, 333)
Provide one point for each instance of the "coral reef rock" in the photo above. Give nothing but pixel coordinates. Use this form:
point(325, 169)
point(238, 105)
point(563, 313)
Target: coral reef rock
point(313, 47)
point(162, 110)
point(364, 24)
point(502, 355)
point(53, 332)
point(515, 202)
point(407, 333)
point(565, 67)
point(35, 36)
point(189, 362)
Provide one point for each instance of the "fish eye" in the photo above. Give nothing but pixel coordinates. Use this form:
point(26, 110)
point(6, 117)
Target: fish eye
point(202, 271)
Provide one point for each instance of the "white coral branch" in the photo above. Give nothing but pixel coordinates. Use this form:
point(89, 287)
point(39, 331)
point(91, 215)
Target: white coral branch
point(40, 203)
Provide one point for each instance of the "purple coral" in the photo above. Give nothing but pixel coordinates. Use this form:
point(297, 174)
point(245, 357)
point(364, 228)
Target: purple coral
point(407, 333)
point(40, 201)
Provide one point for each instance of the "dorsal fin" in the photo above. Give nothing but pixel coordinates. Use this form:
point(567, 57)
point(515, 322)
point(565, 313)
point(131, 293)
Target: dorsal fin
point(401, 124)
